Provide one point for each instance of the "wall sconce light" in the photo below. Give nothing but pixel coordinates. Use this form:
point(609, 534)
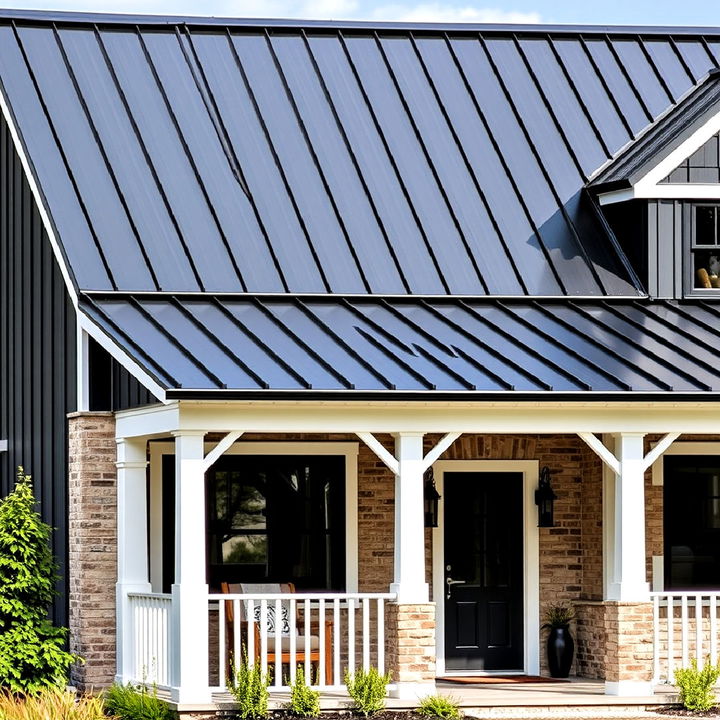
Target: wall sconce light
point(544, 498)
point(431, 499)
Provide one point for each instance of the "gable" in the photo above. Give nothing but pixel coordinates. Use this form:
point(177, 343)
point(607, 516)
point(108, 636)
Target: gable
point(703, 166)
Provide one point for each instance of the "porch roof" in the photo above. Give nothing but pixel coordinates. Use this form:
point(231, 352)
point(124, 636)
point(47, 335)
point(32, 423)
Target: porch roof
point(303, 347)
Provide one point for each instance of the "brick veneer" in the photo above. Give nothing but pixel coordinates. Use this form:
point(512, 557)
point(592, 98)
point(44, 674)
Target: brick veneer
point(628, 641)
point(410, 642)
point(93, 547)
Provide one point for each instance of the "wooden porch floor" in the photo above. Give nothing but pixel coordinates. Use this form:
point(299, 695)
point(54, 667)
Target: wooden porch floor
point(576, 697)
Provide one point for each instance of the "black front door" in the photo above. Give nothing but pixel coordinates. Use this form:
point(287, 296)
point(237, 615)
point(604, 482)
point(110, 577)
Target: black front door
point(483, 571)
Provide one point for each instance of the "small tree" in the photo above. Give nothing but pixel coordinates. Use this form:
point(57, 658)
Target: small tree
point(32, 654)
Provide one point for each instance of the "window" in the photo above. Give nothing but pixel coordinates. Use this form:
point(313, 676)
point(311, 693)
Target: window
point(277, 519)
point(691, 524)
point(705, 246)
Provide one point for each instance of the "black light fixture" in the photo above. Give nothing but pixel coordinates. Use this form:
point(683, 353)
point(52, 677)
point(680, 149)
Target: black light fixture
point(544, 498)
point(431, 499)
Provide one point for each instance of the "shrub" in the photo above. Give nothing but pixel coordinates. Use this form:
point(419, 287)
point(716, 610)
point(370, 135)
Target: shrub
point(32, 654)
point(696, 686)
point(304, 701)
point(439, 706)
point(367, 688)
point(49, 704)
point(136, 702)
point(249, 686)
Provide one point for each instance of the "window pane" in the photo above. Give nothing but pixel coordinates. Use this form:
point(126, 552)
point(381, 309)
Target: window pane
point(707, 269)
point(705, 225)
point(245, 549)
point(691, 522)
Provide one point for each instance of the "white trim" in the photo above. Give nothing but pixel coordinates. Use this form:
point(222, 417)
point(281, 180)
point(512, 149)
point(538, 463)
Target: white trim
point(381, 451)
point(222, 447)
point(3, 445)
point(603, 452)
point(348, 449)
point(39, 200)
point(608, 519)
point(629, 688)
point(531, 471)
point(443, 444)
point(82, 369)
point(650, 185)
point(87, 325)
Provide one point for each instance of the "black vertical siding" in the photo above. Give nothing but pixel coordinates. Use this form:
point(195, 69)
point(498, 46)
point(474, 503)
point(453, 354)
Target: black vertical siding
point(37, 355)
point(112, 387)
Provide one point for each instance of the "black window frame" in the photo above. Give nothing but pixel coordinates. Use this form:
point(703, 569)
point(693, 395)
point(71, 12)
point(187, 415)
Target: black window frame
point(692, 248)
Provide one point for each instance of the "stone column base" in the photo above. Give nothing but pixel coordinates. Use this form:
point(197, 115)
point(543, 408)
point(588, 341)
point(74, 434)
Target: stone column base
point(410, 648)
point(628, 648)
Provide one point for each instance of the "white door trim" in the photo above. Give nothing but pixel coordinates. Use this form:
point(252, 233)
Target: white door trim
point(348, 449)
point(530, 470)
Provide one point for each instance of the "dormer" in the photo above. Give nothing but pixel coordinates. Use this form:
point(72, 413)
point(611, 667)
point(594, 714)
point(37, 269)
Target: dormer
point(661, 196)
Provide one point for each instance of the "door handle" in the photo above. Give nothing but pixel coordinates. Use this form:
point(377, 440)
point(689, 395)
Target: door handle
point(450, 582)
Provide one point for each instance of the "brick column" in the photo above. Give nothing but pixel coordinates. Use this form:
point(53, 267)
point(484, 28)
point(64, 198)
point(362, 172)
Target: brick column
point(628, 648)
point(410, 648)
point(92, 569)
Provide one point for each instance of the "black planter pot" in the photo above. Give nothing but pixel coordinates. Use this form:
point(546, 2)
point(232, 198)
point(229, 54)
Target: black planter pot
point(560, 651)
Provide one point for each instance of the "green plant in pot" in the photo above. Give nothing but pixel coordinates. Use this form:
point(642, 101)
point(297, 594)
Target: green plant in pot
point(560, 645)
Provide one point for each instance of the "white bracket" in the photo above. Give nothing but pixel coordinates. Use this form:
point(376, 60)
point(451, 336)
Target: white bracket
point(216, 453)
point(614, 464)
point(391, 461)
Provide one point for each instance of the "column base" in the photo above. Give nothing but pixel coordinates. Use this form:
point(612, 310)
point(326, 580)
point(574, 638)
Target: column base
point(191, 696)
point(410, 593)
point(629, 688)
point(413, 691)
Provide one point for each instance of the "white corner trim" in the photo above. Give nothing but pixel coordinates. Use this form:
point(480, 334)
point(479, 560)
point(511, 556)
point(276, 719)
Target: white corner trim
point(82, 369)
point(3, 445)
point(531, 473)
point(89, 327)
point(39, 200)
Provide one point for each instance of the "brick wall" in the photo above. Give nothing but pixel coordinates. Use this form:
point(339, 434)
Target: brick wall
point(628, 644)
point(590, 639)
point(410, 643)
point(93, 547)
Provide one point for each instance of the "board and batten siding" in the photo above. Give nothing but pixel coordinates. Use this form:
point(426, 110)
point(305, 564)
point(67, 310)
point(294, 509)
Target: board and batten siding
point(37, 355)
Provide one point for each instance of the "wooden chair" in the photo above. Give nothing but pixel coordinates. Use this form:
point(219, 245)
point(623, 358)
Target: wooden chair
point(302, 654)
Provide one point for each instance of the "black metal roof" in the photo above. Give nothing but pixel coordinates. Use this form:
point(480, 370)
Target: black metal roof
point(668, 133)
point(304, 347)
point(230, 156)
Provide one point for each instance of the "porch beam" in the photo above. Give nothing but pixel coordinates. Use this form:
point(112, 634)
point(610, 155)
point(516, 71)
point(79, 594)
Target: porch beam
point(220, 449)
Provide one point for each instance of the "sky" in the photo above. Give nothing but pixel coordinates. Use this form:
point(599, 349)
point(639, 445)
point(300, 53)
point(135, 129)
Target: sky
point(635, 12)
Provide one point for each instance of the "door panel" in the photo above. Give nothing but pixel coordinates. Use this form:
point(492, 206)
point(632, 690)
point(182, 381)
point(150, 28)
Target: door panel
point(484, 564)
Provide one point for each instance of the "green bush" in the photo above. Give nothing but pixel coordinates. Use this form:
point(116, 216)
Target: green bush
point(32, 650)
point(304, 701)
point(696, 686)
point(439, 706)
point(136, 702)
point(367, 688)
point(49, 704)
point(249, 686)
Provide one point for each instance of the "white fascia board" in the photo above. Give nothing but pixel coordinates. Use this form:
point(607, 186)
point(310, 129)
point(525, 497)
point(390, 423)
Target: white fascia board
point(3, 445)
point(39, 200)
point(616, 196)
point(99, 335)
point(548, 417)
point(148, 421)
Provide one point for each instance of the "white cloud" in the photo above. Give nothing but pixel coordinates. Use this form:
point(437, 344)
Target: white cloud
point(438, 12)
point(308, 9)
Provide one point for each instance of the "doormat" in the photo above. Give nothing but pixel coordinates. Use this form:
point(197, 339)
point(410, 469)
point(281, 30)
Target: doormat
point(499, 679)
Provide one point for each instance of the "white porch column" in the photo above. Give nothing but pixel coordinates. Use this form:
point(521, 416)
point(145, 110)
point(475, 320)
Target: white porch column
point(132, 546)
point(409, 584)
point(190, 682)
point(627, 582)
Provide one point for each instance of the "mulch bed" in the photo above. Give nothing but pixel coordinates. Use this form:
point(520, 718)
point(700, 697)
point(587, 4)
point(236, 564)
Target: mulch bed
point(349, 715)
point(679, 711)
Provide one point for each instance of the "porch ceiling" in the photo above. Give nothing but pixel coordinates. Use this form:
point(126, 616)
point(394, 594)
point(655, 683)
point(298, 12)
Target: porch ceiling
point(254, 347)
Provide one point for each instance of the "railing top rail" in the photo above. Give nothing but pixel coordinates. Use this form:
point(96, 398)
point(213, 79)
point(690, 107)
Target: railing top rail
point(150, 596)
point(302, 596)
point(685, 593)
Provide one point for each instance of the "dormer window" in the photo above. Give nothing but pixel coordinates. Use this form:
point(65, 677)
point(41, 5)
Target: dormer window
point(705, 245)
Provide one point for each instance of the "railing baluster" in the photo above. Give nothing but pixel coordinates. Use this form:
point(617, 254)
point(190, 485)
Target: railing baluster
point(293, 641)
point(671, 637)
point(698, 630)
point(366, 633)
point(684, 629)
point(712, 613)
point(263, 637)
point(278, 642)
point(381, 636)
point(306, 621)
point(336, 636)
point(222, 670)
point(251, 651)
point(351, 635)
point(322, 680)
point(656, 639)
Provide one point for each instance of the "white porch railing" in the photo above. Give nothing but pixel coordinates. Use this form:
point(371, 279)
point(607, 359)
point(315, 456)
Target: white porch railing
point(342, 631)
point(151, 647)
point(685, 626)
